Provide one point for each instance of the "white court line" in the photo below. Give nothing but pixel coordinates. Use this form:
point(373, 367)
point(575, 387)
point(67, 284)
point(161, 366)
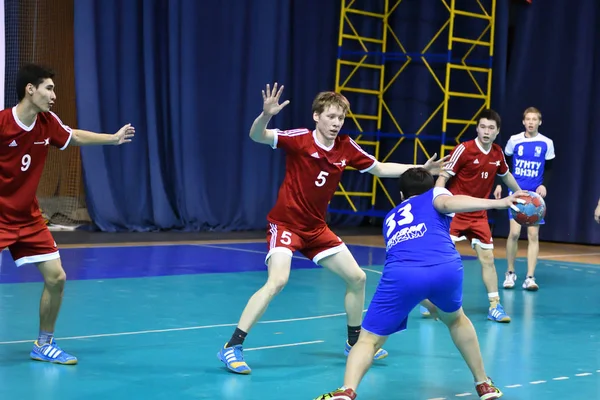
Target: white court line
point(189, 328)
point(262, 252)
point(278, 346)
point(216, 246)
point(569, 255)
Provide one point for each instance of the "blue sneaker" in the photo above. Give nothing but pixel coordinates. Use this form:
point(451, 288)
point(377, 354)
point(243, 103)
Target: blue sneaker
point(497, 314)
point(380, 355)
point(50, 352)
point(233, 358)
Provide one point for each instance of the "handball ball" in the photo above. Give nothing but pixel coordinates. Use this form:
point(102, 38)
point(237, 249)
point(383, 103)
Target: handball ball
point(532, 211)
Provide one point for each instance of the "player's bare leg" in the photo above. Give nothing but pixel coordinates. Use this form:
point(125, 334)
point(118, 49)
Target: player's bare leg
point(54, 286)
point(465, 339)
point(44, 348)
point(359, 361)
point(344, 265)
point(533, 250)
point(361, 358)
point(512, 246)
point(490, 280)
point(279, 266)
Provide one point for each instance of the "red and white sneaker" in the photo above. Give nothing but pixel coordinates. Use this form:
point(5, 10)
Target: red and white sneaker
point(341, 394)
point(488, 391)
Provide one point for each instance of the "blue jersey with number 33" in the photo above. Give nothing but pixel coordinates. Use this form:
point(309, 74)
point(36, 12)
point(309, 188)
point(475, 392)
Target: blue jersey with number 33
point(417, 235)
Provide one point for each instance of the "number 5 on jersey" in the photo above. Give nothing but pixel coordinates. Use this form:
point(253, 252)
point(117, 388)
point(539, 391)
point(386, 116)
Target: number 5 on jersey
point(322, 178)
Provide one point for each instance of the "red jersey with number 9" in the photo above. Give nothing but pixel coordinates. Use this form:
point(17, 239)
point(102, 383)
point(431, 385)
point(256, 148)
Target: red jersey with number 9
point(312, 174)
point(23, 152)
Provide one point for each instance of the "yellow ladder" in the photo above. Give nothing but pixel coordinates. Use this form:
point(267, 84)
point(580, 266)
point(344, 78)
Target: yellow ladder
point(480, 92)
point(367, 58)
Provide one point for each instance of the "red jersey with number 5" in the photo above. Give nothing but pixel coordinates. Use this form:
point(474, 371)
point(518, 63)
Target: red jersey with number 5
point(474, 171)
point(312, 174)
point(23, 152)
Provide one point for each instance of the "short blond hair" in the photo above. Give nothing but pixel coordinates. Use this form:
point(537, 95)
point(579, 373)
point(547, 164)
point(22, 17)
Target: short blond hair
point(532, 110)
point(325, 100)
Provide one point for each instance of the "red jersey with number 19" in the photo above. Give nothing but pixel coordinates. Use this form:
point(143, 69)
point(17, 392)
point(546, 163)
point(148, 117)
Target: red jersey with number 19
point(23, 152)
point(474, 171)
point(313, 172)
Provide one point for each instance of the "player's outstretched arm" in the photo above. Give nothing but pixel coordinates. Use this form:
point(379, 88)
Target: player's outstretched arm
point(394, 170)
point(510, 181)
point(259, 132)
point(447, 204)
point(87, 138)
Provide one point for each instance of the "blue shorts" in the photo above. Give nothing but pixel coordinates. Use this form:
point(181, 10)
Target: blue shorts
point(402, 288)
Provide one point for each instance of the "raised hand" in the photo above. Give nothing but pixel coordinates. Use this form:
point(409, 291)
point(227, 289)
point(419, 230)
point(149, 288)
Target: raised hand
point(271, 104)
point(124, 135)
point(435, 167)
point(597, 213)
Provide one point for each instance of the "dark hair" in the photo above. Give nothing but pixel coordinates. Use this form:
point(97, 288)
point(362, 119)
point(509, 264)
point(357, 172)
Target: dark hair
point(34, 74)
point(415, 181)
point(491, 115)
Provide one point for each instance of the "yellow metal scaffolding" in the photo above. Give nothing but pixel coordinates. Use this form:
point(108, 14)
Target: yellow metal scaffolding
point(481, 95)
point(367, 66)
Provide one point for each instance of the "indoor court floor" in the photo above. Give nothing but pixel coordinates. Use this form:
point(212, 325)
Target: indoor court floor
point(146, 322)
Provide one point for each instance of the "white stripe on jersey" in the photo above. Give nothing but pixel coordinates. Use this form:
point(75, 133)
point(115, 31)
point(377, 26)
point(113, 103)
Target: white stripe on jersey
point(361, 150)
point(457, 153)
point(293, 132)
point(273, 242)
point(65, 127)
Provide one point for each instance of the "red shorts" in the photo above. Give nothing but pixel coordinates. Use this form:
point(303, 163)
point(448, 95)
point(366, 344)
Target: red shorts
point(477, 230)
point(314, 245)
point(30, 243)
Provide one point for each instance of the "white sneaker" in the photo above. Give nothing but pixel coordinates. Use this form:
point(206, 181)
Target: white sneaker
point(529, 284)
point(509, 281)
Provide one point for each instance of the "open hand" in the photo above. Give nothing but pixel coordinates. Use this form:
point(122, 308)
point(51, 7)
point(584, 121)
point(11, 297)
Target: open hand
point(541, 190)
point(124, 135)
point(435, 167)
point(271, 104)
point(510, 201)
point(498, 192)
point(597, 214)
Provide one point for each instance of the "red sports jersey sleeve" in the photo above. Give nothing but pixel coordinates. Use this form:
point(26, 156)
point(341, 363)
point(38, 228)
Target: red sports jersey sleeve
point(458, 158)
point(503, 167)
point(60, 134)
point(289, 140)
point(358, 158)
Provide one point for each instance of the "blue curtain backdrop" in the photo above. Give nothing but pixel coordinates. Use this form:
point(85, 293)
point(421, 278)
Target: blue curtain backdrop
point(554, 64)
point(188, 75)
